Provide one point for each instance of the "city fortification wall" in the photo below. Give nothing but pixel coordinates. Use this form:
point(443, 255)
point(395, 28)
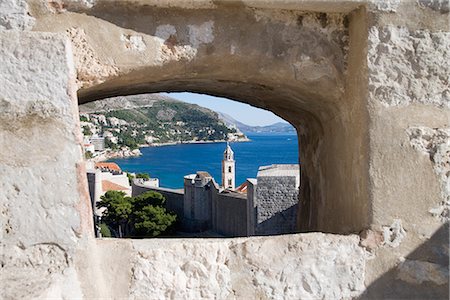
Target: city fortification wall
point(230, 214)
point(365, 83)
point(273, 215)
point(174, 198)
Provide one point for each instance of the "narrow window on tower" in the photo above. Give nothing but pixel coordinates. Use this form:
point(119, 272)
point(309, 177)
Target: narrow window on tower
point(229, 182)
point(229, 169)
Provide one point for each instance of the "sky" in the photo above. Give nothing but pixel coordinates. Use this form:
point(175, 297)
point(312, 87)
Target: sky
point(244, 113)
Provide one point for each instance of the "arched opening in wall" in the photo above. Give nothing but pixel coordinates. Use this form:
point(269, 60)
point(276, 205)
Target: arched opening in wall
point(189, 165)
point(307, 67)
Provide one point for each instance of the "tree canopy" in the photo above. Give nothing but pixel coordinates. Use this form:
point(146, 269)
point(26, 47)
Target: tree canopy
point(140, 216)
point(144, 176)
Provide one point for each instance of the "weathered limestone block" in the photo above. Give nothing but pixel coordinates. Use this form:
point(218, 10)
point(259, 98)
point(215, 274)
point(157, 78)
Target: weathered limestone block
point(294, 39)
point(408, 77)
point(442, 6)
point(42, 270)
point(409, 66)
point(409, 106)
point(14, 14)
point(90, 70)
point(301, 266)
point(436, 144)
point(43, 209)
point(36, 169)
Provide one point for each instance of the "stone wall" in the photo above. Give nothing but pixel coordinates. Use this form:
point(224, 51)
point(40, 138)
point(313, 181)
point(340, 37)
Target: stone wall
point(174, 198)
point(251, 210)
point(408, 101)
point(307, 266)
point(198, 193)
point(364, 82)
point(276, 205)
point(46, 214)
point(230, 211)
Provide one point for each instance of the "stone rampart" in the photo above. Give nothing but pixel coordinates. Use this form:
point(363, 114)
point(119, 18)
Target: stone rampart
point(365, 82)
point(322, 266)
point(174, 198)
point(276, 205)
point(230, 212)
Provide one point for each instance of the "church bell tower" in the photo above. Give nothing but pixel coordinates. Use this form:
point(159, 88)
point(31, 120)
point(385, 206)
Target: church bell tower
point(228, 169)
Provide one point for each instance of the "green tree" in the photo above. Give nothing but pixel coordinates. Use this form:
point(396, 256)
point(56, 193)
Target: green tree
point(110, 144)
point(129, 141)
point(87, 130)
point(152, 221)
point(150, 217)
point(104, 230)
point(118, 209)
point(84, 119)
point(148, 198)
point(130, 177)
point(88, 155)
point(144, 176)
point(141, 216)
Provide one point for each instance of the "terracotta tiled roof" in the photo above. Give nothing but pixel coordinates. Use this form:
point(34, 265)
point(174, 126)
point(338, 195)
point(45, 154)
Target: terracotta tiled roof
point(242, 188)
point(108, 165)
point(111, 186)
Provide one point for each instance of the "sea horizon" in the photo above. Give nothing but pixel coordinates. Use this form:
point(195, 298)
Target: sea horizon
point(170, 163)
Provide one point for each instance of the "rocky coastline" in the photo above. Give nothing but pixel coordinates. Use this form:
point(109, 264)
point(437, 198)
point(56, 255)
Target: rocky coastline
point(240, 140)
point(121, 153)
point(126, 152)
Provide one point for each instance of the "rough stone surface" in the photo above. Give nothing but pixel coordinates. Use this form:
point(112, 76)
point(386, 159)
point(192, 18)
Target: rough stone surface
point(371, 240)
point(442, 6)
point(352, 76)
point(435, 143)
point(408, 104)
point(41, 264)
point(409, 66)
point(325, 266)
point(41, 215)
point(277, 204)
point(418, 272)
point(394, 234)
point(133, 42)
point(14, 15)
point(78, 4)
point(385, 5)
point(201, 34)
point(89, 68)
point(30, 105)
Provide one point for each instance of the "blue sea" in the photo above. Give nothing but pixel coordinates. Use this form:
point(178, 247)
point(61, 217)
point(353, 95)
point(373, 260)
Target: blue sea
point(171, 163)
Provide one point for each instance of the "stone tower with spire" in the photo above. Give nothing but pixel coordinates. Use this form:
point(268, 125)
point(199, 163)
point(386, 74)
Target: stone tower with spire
point(228, 169)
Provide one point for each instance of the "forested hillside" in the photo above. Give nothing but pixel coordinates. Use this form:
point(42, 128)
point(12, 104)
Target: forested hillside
point(155, 121)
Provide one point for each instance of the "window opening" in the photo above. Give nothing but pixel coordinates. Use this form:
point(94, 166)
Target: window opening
point(139, 162)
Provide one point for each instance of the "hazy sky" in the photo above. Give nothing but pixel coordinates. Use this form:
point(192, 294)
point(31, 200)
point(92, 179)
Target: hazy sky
point(242, 112)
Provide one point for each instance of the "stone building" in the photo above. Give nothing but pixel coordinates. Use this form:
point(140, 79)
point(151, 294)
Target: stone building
point(198, 191)
point(103, 177)
point(98, 142)
point(262, 206)
point(274, 198)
